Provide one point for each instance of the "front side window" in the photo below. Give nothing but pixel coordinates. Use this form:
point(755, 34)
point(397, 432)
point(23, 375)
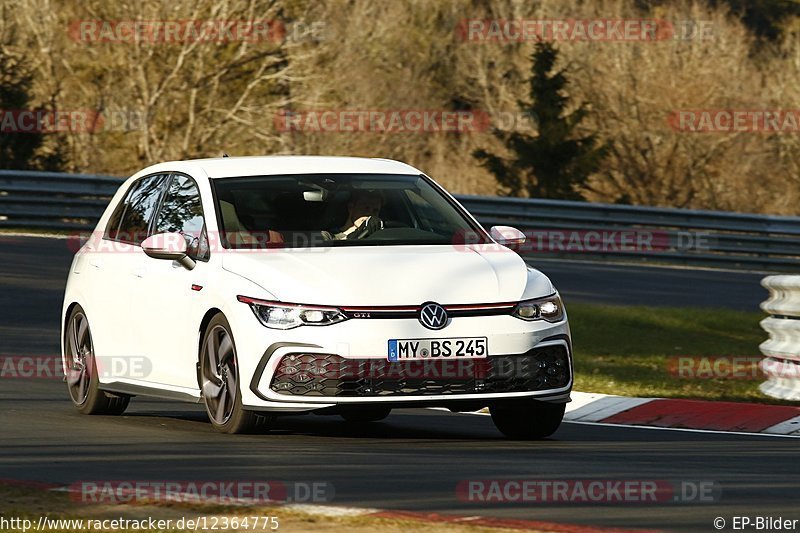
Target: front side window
point(312, 210)
point(130, 221)
point(182, 212)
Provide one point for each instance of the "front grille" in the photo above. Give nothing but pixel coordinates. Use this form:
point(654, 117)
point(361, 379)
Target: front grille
point(331, 375)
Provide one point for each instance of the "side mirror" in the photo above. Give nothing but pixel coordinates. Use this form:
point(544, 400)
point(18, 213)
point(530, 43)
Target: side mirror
point(169, 246)
point(507, 236)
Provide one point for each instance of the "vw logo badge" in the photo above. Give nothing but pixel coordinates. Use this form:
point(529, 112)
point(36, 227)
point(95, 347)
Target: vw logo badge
point(433, 316)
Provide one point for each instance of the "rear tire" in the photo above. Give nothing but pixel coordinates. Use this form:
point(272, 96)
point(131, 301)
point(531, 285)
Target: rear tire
point(365, 415)
point(219, 372)
point(80, 366)
point(528, 420)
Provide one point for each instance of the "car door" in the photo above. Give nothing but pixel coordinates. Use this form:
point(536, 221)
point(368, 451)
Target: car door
point(170, 295)
point(112, 264)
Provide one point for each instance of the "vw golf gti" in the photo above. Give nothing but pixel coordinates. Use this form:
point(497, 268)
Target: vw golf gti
point(262, 286)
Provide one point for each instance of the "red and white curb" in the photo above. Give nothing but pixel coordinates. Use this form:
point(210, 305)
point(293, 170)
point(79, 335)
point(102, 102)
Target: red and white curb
point(684, 414)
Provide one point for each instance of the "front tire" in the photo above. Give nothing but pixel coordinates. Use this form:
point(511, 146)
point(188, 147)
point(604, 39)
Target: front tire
point(220, 380)
point(80, 367)
point(528, 420)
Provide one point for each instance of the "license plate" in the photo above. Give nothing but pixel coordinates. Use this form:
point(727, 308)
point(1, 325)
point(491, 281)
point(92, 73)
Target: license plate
point(456, 348)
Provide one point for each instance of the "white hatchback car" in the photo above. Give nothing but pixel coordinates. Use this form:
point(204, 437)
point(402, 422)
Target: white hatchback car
point(291, 284)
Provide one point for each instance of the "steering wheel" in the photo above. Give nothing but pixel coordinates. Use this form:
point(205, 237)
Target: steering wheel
point(367, 228)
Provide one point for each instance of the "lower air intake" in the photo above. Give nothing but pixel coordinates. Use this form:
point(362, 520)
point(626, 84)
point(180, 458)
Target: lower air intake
point(331, 375)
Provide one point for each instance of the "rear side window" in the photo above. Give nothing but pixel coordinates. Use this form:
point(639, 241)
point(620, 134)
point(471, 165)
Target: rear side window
point(131, 220)
point(182, 212)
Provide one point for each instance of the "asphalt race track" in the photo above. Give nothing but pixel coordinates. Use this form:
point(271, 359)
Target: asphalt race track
point(653, 285)
point(411, 461)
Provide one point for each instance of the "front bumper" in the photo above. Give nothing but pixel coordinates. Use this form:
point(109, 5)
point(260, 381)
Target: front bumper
point(311, 368)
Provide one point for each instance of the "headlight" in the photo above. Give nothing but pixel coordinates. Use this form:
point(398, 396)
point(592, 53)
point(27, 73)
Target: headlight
point(278, 315)
point(549, 308)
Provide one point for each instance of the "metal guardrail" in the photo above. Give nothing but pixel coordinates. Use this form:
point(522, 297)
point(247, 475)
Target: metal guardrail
point(679, 236)
point(56, 201)
point(781, 363)
point(52, 200)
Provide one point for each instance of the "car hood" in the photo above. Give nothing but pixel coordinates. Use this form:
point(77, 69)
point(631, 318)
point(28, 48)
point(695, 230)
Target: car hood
point(389, 275)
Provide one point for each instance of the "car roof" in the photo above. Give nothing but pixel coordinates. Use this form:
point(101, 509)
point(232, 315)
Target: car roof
point(226, 167)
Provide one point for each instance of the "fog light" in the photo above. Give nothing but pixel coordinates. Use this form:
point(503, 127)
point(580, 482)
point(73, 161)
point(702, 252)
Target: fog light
point(313, 316)
point(528, 311)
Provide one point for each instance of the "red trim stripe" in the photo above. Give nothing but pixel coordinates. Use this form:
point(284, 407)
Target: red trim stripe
point(381, 308)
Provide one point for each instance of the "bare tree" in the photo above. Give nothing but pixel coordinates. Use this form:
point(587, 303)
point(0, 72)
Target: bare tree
point(185, 96)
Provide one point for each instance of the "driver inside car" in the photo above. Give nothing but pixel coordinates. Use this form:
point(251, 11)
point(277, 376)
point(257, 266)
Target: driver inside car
point(362, 215)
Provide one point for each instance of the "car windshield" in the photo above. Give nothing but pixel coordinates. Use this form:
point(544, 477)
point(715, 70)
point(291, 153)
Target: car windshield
point(316, 210)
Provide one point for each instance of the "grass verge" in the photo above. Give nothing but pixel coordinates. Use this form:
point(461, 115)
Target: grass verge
point(631, 351)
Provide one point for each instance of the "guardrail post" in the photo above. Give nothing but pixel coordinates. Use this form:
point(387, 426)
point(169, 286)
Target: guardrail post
point(781, 363)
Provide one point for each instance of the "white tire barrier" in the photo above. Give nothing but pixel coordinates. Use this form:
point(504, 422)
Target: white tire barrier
point(781, 363)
